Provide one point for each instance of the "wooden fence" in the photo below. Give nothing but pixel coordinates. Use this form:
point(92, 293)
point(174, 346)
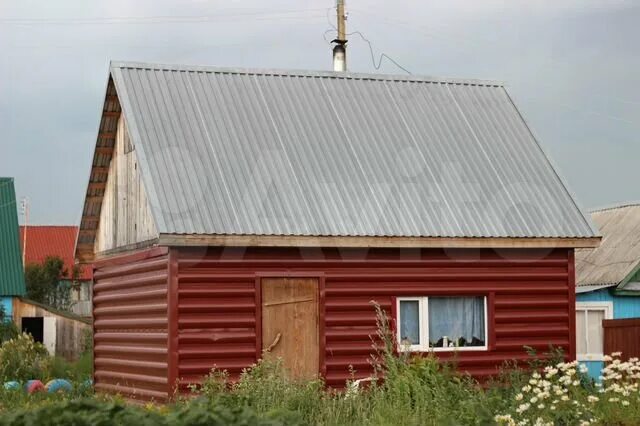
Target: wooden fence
point(622, 335)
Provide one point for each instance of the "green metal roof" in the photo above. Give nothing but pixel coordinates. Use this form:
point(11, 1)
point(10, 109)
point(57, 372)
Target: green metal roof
point(11, 272)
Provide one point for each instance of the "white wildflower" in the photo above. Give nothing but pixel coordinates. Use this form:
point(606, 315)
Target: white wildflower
point(505, 419)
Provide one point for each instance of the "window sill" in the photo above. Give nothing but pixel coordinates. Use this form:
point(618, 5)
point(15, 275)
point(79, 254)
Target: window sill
point(590, 357)
point(460, 349)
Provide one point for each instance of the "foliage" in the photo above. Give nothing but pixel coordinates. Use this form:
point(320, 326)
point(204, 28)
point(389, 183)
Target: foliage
point(562, 394)
point(205, 413)
point(22, 359)
point(83, 412)
point(43, 282)
point(79, 370)
point(8, 329)
point(88, 412)
point(404, 389)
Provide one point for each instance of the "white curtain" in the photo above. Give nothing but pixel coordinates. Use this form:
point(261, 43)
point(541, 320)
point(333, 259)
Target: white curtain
point(456, 317)
point(410, 322)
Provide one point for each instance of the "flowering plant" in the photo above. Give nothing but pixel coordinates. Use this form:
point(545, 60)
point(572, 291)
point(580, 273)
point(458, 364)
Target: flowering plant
point(563, 394)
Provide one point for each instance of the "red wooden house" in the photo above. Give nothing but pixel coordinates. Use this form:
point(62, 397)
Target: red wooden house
point(230, 211)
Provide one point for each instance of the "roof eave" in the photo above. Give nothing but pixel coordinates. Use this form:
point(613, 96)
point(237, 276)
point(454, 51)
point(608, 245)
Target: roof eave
point(372, 241)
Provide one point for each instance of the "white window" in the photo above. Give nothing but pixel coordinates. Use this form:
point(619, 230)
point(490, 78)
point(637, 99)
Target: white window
point(442, 323)
point(589, 331)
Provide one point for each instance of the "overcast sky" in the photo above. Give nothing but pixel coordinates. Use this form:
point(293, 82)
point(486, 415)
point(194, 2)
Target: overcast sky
point(572, 66)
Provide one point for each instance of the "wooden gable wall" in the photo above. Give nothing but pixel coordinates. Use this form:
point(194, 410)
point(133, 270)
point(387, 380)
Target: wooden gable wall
point(125, 217)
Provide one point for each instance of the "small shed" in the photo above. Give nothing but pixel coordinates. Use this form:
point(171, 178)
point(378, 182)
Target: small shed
point(608, 285)
point(230, 212)
point(63, 334)
point(11, 269)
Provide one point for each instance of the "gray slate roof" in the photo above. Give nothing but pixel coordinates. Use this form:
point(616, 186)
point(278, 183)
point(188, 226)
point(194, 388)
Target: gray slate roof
point(619, 251)
point(258, 152)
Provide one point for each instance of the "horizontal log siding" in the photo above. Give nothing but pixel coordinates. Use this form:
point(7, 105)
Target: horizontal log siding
point(529, 302)
point(130, 326)
point(216, 320)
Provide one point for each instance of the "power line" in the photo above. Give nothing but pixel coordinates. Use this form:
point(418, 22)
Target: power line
point(475, 46)
point(281, 14)
point(373, 57)
point(382, 55)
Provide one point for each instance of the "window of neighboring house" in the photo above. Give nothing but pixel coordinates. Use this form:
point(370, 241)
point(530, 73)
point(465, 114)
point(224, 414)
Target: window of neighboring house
point(589, 330)
point(442, 323)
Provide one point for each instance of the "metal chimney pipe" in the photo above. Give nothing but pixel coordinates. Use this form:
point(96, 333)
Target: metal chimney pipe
point(339, 58)
point(340, 49)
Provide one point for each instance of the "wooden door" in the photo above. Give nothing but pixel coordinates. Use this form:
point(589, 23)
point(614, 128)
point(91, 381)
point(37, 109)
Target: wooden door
point(290, 324)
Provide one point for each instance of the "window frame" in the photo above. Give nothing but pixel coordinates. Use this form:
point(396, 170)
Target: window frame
point(607, 307)
point(423, 317)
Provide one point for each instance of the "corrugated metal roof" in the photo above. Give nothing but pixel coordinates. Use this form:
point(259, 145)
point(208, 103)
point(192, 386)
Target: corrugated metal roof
point(11, 272)
point(228, 151)
point(45, 240)
point(619, 251)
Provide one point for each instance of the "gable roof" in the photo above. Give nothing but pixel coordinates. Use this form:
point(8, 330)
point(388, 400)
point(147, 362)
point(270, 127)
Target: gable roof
point(297, 153)
point(53, 240)
point(619, 252)
point(11, 270)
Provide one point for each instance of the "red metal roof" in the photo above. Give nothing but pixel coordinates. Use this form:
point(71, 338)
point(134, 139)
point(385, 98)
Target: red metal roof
point(44, 240)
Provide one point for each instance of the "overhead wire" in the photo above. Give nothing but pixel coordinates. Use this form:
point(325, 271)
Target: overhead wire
point(382, 56)
point(471, 45)
point(161, 19)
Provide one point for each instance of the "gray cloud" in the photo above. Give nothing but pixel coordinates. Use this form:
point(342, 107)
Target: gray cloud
point(571, 66)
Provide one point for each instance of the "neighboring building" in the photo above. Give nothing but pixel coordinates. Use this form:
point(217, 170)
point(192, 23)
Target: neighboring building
point(607, 281)
point(11, 270)
point(63, 334)
point(230, 212)
point(44, 241)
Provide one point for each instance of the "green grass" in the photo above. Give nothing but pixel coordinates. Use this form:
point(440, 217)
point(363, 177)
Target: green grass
point(415, 391)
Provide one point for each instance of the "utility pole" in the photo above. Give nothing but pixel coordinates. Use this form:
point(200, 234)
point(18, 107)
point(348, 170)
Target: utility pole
point(340, 49)
point(24, 206)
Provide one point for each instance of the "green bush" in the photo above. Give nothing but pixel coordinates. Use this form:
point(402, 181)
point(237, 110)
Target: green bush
point(405, 389)
point(83, 412)
point(89, 412)
point(8, 329)
point(23, 359)
point(80, 370)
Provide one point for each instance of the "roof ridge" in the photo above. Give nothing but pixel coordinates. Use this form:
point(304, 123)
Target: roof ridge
point(49, 226)
point(306, 73)
point(620, 205)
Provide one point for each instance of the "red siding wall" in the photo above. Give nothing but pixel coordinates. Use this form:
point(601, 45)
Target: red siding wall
point(130, 325)
point(529, 295)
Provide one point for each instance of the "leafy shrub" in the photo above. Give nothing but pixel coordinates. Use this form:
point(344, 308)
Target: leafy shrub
point(22, 359)
point(405, 389)
point(83, 412)
point(89, 412)
point(79, 370)
point(201, 413)
point(563, 394)
point(8, 329)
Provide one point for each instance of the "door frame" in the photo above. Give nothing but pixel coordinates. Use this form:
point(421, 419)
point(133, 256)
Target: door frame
point(320, 276)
